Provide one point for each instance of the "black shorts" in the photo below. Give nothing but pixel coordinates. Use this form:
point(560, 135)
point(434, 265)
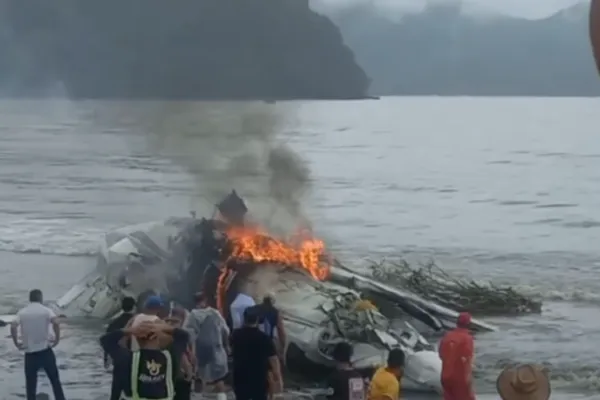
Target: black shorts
point(252, 392)
point(183, 389)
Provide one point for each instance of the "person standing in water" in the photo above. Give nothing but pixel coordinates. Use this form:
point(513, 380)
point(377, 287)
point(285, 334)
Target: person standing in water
point(151, 371)
point(457, 354)
point(35, 320)
point(210, 336)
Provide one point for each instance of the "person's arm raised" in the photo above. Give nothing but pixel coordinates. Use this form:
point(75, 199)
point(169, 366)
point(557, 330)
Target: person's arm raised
point(281, 333)
point(14, 332)
point(55, 322)
point(110, 342)
point(274, 364)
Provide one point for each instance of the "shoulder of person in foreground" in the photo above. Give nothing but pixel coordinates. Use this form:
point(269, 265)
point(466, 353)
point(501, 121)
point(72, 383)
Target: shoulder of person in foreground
point(384, 386)
point(219, 317)
point(181, 335)
point(237, 334)
point(110, 342)
point(334, 383)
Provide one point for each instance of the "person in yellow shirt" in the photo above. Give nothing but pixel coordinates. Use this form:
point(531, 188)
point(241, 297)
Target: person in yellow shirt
point(385, 384)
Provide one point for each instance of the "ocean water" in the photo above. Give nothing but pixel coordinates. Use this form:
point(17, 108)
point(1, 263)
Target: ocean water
point(504, 190)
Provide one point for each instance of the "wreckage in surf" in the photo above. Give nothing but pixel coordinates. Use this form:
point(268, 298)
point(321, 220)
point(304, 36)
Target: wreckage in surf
point(321, 301)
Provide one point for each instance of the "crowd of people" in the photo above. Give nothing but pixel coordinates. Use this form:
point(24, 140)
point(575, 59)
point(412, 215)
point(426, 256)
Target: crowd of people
point(167, 353)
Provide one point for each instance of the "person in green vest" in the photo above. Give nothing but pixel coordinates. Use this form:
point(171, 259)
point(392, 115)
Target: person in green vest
point(148, 373)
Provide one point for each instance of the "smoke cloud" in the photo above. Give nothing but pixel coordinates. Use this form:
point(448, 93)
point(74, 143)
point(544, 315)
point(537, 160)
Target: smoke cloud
point(394, 9)
point(239, 146)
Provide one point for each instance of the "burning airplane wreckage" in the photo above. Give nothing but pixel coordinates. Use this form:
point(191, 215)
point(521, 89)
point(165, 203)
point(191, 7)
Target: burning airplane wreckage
point(321, 301)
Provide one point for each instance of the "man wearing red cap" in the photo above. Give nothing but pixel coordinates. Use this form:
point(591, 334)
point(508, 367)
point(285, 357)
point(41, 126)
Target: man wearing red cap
point(456, 351)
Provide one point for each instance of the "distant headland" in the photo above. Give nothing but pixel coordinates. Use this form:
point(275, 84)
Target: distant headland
point(188, 49)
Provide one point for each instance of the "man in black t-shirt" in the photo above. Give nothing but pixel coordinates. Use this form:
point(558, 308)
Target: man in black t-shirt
point(128, 309)
point(345, 382)
point(253, 356)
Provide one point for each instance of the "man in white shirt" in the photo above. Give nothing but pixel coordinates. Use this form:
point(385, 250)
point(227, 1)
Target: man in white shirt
point(237, 308)
point(35, 321)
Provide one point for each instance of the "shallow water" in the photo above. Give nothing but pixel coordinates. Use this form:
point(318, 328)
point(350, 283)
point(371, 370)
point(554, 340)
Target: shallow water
point(499, 189)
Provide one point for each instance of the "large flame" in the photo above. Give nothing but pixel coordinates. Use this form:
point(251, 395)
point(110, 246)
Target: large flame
point(257, 246)
point(249, 244)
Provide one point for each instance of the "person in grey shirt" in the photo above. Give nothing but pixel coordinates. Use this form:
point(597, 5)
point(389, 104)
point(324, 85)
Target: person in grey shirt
point(210, 335)
point(35, 320)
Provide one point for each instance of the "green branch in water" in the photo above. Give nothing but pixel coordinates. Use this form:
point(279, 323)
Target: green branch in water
point(433, 283)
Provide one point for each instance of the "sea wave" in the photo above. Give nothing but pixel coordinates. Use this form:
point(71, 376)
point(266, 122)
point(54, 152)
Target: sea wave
point(49, 236)
point(68, 238)
point(564, 376)
point(572, 295)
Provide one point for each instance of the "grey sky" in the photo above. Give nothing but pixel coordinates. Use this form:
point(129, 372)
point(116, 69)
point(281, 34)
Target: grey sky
point(525, 8)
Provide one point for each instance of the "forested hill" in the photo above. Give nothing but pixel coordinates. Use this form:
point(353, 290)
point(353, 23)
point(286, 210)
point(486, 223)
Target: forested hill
point(447, 52)
point(199, 49)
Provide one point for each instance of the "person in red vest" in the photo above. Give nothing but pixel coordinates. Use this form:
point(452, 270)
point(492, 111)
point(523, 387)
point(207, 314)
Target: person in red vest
point(457, 354)
point(595, 31)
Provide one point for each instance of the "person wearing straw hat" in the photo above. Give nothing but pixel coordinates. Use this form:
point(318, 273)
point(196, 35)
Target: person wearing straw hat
point(457, 353)
point(524, 382)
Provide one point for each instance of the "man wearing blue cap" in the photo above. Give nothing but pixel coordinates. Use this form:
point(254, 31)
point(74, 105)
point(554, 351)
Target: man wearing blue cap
point(149, 372)
point(152, 307)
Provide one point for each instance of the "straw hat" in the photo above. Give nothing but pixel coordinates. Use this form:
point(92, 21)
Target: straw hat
point(525, 382)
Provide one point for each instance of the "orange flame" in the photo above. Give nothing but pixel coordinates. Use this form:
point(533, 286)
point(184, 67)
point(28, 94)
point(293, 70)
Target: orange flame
point(225, 273)
point(253, 245)
point(256, 246)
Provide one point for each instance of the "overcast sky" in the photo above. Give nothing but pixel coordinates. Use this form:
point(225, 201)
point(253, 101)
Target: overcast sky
point(525, 8)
